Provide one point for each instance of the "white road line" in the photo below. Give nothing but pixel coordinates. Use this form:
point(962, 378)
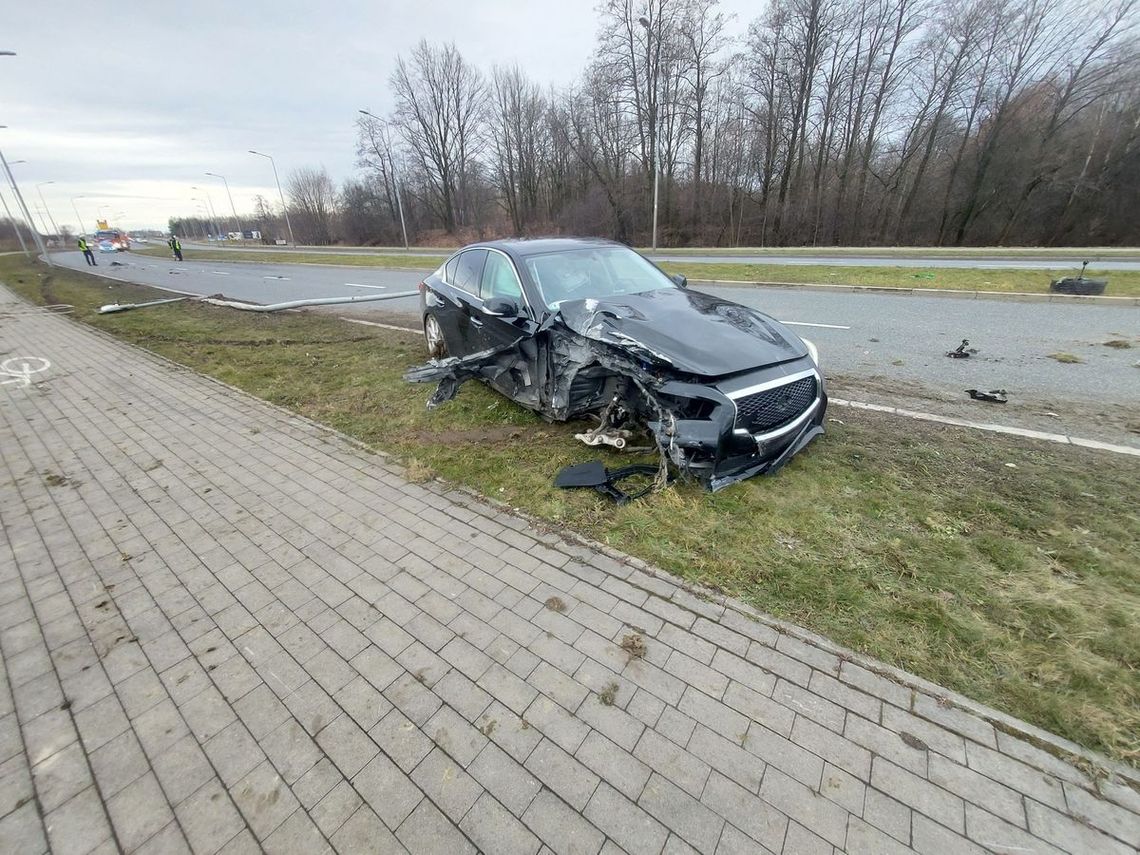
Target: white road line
point(992, 428)
point(286, 278)
point(382, 326)
point(377, 287)
point(821, 326)
point(219, 273)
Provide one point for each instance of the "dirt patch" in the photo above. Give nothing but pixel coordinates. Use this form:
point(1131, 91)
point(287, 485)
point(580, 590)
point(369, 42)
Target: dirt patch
point(634, 645)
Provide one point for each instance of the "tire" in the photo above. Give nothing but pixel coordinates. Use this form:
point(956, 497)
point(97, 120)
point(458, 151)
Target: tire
point(433, 337)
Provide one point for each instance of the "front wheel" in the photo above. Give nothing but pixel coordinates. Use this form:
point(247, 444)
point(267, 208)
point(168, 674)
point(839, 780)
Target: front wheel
point(433, 336)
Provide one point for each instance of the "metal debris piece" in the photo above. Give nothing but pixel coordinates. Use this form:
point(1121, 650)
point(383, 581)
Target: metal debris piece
point(960, 351)
point(993, 396)
point(227, 303)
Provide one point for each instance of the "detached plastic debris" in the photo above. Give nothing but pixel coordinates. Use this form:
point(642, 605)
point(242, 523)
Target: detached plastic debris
point(993, 396)
point(960, 352)
point(594, 474)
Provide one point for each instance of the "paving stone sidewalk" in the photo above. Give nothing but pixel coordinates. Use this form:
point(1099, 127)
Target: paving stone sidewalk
point(227, 629)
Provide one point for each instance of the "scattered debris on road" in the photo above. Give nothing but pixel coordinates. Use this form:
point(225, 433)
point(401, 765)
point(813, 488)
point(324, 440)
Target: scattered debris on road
point(961, 352)
point(993, 396)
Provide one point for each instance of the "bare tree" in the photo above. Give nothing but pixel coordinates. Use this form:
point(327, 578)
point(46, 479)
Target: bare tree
point(312, 202)
point(440, 102)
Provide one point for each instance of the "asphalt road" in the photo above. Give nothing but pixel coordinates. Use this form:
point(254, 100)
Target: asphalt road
point(885, 346)
point(869, 259)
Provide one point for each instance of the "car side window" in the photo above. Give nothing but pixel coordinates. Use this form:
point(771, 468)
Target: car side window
point(450, 268)
point(469, 270)
point(500, 279)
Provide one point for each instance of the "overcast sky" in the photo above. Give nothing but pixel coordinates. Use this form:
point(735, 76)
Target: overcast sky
point(129, 108)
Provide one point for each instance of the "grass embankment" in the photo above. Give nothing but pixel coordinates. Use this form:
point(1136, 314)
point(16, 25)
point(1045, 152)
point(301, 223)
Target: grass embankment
point(1005, 569)
point(1121, 282)
point(1011, 252)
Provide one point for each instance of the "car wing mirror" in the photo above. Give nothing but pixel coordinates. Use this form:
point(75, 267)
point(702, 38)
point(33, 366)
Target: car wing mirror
point(680, 280)
point(501, 307)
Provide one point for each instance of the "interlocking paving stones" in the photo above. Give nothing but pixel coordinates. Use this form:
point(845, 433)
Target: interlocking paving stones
point(231, 629)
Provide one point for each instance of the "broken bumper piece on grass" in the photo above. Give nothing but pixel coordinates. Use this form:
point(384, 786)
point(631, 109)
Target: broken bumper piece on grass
point(594, 474)
point(719, 430)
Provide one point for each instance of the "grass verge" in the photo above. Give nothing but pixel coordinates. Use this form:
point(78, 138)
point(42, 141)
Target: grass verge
point(1004, 569)
point(1121, 282)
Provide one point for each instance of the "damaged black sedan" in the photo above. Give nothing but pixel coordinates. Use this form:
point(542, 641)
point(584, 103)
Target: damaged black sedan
point(574, 327)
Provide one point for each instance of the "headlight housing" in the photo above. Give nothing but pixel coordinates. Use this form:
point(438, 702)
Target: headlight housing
point(813, 351)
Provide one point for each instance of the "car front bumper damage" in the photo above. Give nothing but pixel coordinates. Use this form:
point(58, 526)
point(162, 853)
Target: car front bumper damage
point(695, 424)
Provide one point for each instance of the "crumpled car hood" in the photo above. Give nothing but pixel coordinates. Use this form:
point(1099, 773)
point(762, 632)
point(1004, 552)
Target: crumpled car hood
point(693, 332)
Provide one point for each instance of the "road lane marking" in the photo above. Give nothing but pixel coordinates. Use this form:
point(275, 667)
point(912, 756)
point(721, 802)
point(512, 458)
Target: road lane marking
point(821, 326)
point(219, 273)
point(286, 278)
point(992, 428)
point(377, 287)
point(382, 326)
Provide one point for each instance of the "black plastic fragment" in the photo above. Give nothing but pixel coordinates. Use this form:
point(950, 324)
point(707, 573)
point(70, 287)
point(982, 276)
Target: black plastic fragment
point(994, 396)
point(594, 474)
point(960, 351)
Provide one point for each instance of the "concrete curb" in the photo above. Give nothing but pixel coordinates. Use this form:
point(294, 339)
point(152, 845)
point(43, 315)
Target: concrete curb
point(1013, 296)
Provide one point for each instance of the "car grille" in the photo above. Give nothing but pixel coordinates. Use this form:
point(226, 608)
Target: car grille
point(768, 410)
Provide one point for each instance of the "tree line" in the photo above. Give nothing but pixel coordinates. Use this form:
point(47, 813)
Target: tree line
point(821, 122)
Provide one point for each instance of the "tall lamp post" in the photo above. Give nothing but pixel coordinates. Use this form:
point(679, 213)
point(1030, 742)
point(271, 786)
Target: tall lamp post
point(206, 209)
point(233, 208)
point(15, 225)
point(284, 207)
point(395, 182)
point(15, 222)
point(54, 227)
point(23, 206)
point(78, 219)
point(209, 208)
point(648, 24)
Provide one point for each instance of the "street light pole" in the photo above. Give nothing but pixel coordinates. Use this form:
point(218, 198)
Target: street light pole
point(209, 208)
point(395, 183)
point(54, 227)
point(15, 225)
point(24, 207)
point(284, 207)
point(78, 219)
point(233, 208)
point(648, 24)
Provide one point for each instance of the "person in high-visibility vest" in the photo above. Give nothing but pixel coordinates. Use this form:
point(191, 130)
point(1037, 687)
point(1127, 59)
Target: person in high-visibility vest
point(175, 246)
point(87, 253)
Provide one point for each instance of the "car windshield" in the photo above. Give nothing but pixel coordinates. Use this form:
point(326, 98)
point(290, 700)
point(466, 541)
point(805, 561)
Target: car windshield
point(597, 272)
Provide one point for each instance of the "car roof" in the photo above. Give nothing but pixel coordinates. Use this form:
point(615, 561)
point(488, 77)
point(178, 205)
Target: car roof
point(522, 247)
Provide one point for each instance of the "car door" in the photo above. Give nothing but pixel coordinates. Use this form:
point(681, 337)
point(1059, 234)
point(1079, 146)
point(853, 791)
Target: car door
point(460, 318)
point(500, 282)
